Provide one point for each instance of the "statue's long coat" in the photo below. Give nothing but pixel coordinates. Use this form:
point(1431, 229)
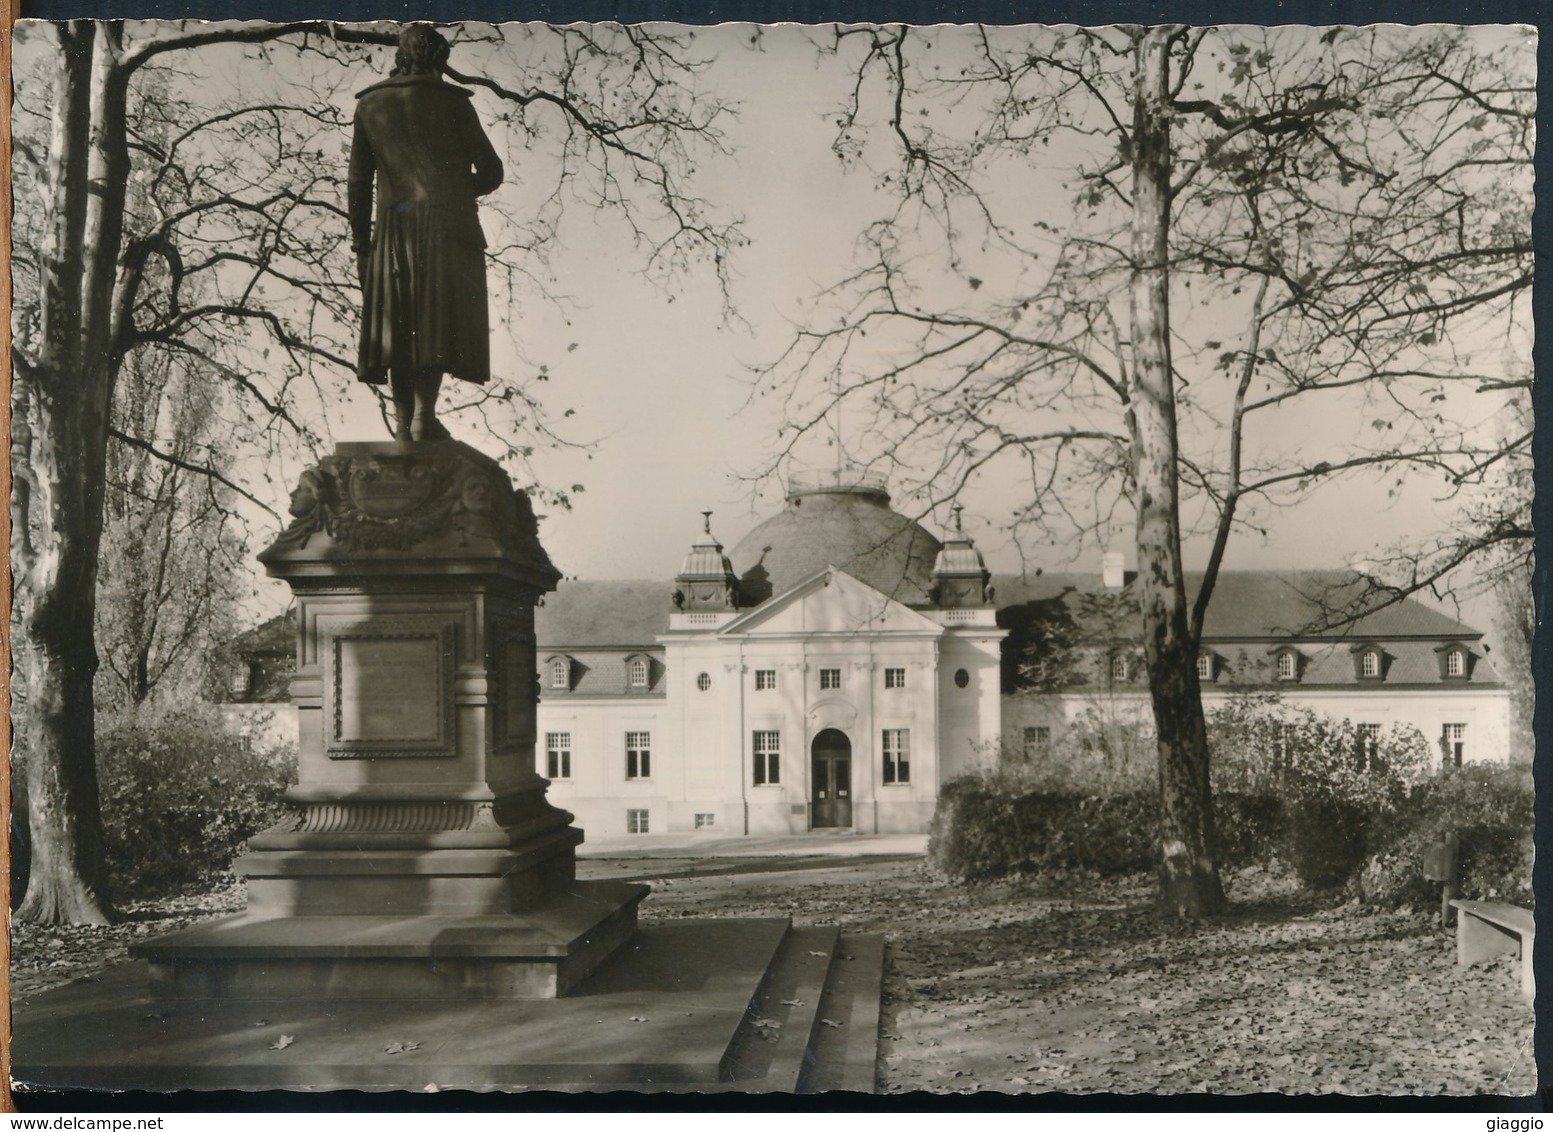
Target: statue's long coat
point(424, 304)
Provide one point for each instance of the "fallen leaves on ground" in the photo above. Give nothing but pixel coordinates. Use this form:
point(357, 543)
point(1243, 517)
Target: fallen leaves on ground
point(1078, 986)
point(1074, 985)
point(44, 956)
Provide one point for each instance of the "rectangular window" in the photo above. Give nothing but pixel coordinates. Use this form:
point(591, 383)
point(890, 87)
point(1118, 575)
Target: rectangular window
point(636, 821)
point(1455, 742)
point(1205, 667)
point(1037, 739)
point(765, 679)
point(558, 754)
point(638, 754)
point(1119, 668)
point(706, 821)
point(768, 758)
point(897, 755)
point(1288, 737)
point(1369, 745)
point(894, 677)
point(830, 678)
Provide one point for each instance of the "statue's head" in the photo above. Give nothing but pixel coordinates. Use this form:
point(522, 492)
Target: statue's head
point(422, 51)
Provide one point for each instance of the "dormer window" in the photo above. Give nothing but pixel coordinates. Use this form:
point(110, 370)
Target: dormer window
point(1121, 669)
point(560, 673)
point(1455, 662)
point(1288, 664)
point(1369, 662)
point(1205, 666)
point(637, 670)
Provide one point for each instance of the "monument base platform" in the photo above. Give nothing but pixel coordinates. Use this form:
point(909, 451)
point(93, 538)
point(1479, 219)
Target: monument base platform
point(541, 953)
point(687, 1005)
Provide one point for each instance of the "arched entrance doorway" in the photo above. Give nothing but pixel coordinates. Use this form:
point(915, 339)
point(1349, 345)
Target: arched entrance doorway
point(831, 782)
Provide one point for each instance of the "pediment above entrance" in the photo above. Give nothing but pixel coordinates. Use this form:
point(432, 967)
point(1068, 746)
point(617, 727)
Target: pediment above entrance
point(832, 601)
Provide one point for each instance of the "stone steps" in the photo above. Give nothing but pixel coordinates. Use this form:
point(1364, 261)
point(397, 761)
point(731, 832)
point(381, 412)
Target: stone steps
point(845, 1057)
point(685, 1006)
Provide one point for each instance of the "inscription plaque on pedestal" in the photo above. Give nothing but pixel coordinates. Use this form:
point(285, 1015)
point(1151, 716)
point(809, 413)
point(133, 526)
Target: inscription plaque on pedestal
point(389, 687)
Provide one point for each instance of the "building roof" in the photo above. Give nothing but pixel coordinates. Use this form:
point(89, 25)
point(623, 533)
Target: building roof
point(275, 637)
point(1249, 606)
point(848, 525)
point(611, 614)
point(1257, 605)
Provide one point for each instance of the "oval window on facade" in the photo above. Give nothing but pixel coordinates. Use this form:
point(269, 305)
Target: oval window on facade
point(703, 681)
point(962, 678)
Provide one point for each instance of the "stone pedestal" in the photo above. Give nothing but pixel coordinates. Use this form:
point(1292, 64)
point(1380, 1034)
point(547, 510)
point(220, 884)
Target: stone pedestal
point(423, 860)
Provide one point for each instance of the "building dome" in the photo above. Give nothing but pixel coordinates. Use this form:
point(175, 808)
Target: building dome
point(846, 522)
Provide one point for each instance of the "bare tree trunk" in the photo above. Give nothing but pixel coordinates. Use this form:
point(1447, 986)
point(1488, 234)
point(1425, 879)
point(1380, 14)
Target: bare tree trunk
point(64, 399)
point(1188, 876)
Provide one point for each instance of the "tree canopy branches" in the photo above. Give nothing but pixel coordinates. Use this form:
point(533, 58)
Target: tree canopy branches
point(1120, 260)
point(1349, 221)
point(183, 197)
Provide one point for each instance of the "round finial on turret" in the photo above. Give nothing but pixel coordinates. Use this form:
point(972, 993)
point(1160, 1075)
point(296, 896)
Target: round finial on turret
point(957, 508)
point(706, 521)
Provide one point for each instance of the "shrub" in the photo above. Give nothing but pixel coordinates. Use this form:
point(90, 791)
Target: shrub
point(984, 829)
point(973, 835)
point(181, 794)
point(1250, 827)
point(1097, 753)
point(1110, 834)
point(1329, 786)
point(1325, 840)
point(1341, 806)
point(1489, 808)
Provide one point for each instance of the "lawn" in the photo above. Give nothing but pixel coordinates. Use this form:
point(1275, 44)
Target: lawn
point(1077, 986)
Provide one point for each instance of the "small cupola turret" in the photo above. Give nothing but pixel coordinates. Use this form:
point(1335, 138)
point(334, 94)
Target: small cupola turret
point(706, 581)
point(960, 576)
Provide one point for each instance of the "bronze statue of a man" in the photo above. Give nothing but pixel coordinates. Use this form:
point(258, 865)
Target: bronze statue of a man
point(422, 262)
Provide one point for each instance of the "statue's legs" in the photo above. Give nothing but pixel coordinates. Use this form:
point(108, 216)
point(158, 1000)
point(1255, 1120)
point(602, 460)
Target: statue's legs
point(426, 426)
point(402, 382)
point(415, 404)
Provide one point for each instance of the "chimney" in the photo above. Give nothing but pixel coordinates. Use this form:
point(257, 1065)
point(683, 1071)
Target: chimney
point(1112, 570)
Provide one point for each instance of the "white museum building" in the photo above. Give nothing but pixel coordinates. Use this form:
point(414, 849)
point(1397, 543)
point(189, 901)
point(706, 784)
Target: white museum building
point(841, 663)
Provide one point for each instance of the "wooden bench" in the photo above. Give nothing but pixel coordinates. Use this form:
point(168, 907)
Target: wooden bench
point(1484, 930)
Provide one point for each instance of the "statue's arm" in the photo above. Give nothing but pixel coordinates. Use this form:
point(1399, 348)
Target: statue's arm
point(363, 168)
point(488, 170)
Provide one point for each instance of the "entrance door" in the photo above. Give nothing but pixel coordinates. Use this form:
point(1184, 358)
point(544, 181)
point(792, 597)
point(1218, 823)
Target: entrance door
point(832, 780)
